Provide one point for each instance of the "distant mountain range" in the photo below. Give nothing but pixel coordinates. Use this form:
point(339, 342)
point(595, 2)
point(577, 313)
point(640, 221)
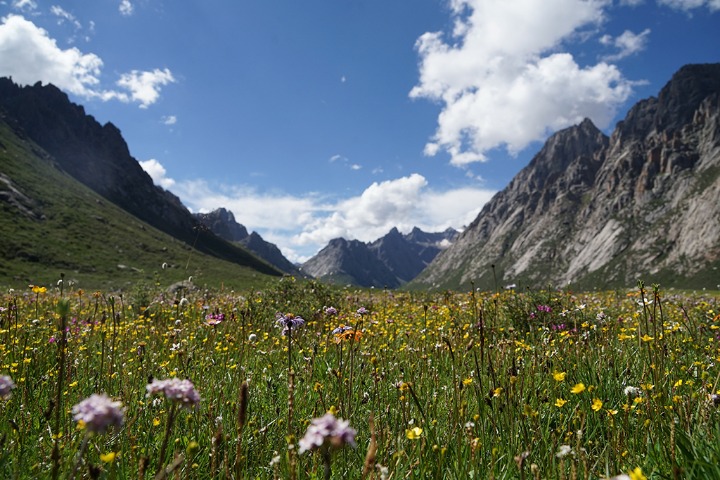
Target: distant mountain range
point(593, 211)
point(390, 261)
point(590, 211)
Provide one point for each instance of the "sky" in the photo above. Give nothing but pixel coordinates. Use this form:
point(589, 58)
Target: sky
point(317, 119)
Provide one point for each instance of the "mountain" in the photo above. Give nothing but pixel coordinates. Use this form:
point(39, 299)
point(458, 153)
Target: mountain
point(43, 130)
point(599, 212)
point(390, 261)
point(222, 222)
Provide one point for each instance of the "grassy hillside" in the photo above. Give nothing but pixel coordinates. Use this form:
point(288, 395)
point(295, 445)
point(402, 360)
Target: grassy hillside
point(52, 224)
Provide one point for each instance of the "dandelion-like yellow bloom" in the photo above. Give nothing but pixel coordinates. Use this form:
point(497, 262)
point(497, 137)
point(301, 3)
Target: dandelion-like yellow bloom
point(560, 402)
point(414, 433)
point(579, 388)
point(597, 404)
point(559, 376)
point(637, 474)
point(467, 381)
point(108, 457)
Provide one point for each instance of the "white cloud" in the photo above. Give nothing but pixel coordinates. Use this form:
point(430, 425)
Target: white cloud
point(126, 8)
point(63, 15)
point(157, 172)
point(628, 43)
point(504, 80)
point(30, 55)
point(303, 224)
point(25, 4)
point(169, 120)
point(144, 87)
point(687, 5)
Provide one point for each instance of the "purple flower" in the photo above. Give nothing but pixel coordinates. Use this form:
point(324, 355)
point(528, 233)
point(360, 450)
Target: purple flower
point(331, 311)
point(289, 322)
point(341, 329)
point(6, 387)
point(176, 390)
point(99, 412)
point(327, 431)
point(362, 311)
point(213, 319)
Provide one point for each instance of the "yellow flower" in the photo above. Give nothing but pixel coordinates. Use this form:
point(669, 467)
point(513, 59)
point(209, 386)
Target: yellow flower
point(647, 338)
point(678, 383)
point(414, 433)
point(579, 388)
point(560, 402)
point(107, 457)
point(156, 422)
point(597, 404)
point(637, 474)
point(497, 392)
point(559, 376)
point(467, 381)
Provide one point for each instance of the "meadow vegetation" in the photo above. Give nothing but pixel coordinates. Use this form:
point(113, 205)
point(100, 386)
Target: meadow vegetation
point(227, 384)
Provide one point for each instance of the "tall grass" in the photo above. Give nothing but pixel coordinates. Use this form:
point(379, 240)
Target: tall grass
point(498, 385)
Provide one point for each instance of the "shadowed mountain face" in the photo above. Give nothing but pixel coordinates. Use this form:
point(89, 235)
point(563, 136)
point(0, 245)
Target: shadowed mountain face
point(222, 223)
point(97, 156)
point(390, 261)
point(599, 212)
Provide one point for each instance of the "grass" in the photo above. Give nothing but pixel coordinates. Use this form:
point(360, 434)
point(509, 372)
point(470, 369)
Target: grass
point(546, 384)
point(67, 228)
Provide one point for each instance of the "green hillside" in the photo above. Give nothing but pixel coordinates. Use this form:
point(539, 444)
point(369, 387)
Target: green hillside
point(52, 224)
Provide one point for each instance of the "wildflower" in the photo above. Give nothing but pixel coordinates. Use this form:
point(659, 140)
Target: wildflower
point(213, 319)
point(632, 391)
point(108, 457)
point(563, 451)
point(362, 311)
point(559, 376)
point(341, 329)
point(327, 432)
point(414, 433)
point(98, 412)
point(579, 388)
point(252, 337)
point(597, 404)
point(560, 402)
point(289, 322)
point(176, 390)
point(714, 399)
point(6, 387)
point(637, 474)
point(331, 311)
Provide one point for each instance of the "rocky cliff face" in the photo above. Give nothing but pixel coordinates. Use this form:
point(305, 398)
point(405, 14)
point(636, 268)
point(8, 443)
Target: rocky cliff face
point(599, 212)
point(222, 222)
point(98, 156)
point(390, 261)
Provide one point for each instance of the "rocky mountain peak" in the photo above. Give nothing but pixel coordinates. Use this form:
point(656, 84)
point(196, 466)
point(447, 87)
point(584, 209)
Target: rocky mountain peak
point(599, 212)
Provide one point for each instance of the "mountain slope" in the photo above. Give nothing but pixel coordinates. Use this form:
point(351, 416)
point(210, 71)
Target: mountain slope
point(97, 156)
point(222, 222)
point(599, 212)
point(52, 224)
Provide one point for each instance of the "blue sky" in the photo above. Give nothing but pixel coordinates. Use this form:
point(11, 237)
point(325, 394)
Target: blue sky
point(326, 118)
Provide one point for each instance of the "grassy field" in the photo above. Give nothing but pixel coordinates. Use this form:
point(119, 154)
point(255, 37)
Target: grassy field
point(556, 385)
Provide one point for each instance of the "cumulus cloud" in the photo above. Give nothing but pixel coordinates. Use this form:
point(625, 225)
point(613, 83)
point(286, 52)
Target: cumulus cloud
point(628, 43)
point(504, 80)
point(157, 172)
point(169, 120)
point(144, 87)
point(303, 224)
point(126, 8)
point(31, 55)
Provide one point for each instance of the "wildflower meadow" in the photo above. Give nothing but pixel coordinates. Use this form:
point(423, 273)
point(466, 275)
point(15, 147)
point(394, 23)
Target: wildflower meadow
point(306, 381)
